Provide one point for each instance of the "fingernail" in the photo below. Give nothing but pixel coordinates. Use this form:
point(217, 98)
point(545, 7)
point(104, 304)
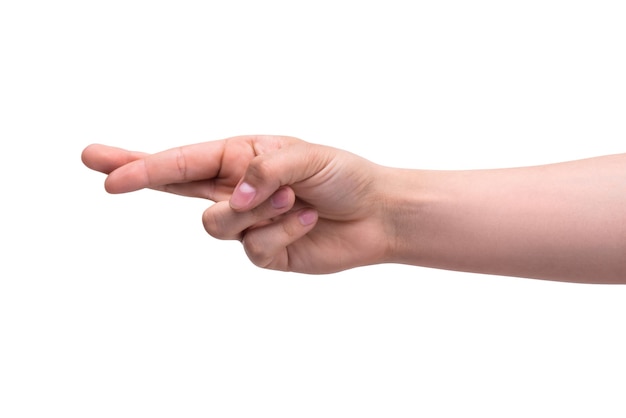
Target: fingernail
point(280, 199)
point(307, 217)
point(242, 196)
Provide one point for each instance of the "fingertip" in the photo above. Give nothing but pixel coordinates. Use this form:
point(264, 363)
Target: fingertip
point(91, 157)
point(243, 195)
point(283, 198)
point(307, 217)
point(87, 155)
point(108, 186)
point(102, 158)
point(119, 181)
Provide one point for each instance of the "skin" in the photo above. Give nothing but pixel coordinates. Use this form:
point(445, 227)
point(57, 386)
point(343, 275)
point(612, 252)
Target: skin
point(298, 206)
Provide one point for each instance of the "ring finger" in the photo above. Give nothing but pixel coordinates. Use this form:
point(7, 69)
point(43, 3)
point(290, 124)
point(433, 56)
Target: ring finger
point(222, 222)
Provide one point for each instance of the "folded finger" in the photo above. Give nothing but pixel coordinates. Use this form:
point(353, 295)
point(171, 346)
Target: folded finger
point(295, 162)
point(267, 246)
point(222, 222)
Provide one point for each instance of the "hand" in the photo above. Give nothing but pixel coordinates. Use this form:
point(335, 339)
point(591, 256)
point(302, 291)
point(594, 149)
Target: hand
point(295, 206)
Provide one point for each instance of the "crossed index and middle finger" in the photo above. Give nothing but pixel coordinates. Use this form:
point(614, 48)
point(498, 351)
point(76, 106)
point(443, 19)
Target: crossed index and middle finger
point(190, 170)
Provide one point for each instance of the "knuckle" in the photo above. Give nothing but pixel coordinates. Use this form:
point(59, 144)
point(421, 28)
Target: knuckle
point(215, 224)
point(256, 250)
point(290, 228)
point(181, 163)
point(259, 169)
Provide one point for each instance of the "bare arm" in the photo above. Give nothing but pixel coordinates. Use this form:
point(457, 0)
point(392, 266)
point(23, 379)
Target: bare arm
point(304, 207)
point(564, 221)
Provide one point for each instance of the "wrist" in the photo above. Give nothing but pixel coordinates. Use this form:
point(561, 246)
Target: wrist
point(409, 202)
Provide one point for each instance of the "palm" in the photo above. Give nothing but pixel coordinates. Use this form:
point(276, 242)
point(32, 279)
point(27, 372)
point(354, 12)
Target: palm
point(347, 231)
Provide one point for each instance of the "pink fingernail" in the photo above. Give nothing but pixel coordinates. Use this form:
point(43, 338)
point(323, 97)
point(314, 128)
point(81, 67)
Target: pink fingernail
point(307, 217)
point(280, 199)
point(242, 196)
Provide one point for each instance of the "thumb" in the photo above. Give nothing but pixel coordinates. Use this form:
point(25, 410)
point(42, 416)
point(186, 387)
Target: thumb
point(267, 172)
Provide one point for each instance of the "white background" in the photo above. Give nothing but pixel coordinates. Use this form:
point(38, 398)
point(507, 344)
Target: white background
point(122, 306)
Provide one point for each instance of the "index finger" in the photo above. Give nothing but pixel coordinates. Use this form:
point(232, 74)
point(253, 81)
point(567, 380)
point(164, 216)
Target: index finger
point(105, 158)
point(177, 165)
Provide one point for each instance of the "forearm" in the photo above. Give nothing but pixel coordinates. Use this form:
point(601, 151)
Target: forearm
point(563, 221)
